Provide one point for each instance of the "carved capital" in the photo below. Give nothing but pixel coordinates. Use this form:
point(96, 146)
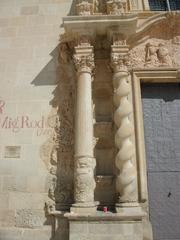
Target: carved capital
point(84, 58)
point(120, 57)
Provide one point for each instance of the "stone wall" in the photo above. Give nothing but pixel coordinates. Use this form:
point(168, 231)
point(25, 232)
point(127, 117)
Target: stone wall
point(29, 39)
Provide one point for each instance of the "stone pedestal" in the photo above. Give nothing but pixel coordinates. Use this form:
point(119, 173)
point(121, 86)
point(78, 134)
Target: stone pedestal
point(105, 226)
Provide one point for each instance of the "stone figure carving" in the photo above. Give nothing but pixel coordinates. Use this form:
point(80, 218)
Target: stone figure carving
point(119, 62)
point(176, 40)
point(84, 179)
point(116, 7)
point(163, 55)
point(96, 6)
point(84, 8)
point(157, 55)
point(151, 55)
point(50, 207)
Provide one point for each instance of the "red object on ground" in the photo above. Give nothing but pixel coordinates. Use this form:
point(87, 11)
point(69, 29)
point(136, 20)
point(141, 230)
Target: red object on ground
point(105, 209)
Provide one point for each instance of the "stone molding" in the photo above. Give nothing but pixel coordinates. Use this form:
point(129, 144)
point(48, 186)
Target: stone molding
point(166, 75)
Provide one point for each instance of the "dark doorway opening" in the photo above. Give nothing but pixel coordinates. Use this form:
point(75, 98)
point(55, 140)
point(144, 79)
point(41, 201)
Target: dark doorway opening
point(161, 110)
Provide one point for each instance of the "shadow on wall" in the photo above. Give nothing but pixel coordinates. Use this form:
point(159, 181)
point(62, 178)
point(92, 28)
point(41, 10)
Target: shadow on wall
point(57, 151)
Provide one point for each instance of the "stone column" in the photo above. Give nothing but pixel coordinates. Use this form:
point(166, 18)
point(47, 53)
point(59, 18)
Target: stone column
point(126, 179)
point(84, 183)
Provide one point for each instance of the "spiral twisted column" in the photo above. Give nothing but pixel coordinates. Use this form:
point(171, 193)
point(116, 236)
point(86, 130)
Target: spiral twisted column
point(126, 179)
point(84, 182)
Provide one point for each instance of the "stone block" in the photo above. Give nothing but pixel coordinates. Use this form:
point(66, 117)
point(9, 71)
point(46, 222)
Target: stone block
point(4, 200)
point(29, 10)
point(104, 229)
point(10, 233)
point(79, 227)
point(43, 233)
point(4, 22)
point(37, 184)
point(1, 181)
point(17, 21)
point(7, 218)
point(29, 218)
point(26, 200)
point(8, 32)
point(36, 20)
point(14, 183)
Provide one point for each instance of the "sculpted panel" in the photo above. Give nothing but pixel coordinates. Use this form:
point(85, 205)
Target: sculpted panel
point(57, 151)
point(156, 53)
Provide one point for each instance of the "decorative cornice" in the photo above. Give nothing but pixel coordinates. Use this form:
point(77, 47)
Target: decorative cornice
point(157, 18)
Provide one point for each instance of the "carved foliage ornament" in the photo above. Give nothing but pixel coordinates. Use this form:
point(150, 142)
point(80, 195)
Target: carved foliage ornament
point(84, 62)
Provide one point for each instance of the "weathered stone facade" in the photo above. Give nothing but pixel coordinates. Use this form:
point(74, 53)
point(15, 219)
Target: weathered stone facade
point(72, 139)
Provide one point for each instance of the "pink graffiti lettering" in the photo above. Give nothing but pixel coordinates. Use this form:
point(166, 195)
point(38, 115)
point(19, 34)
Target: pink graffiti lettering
point(2, 104)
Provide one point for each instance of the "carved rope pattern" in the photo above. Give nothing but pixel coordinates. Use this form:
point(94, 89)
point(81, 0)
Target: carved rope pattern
point(126, 178)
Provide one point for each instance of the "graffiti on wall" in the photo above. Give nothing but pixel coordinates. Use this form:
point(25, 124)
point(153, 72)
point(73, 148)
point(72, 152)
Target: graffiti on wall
point(43, 125)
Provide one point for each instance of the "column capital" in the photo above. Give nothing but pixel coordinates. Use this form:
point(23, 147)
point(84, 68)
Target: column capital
point(84, 58)
point(119, 56)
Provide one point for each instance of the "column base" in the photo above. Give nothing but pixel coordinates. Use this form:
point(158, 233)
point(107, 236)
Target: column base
point(87, 208)
point(129, 208)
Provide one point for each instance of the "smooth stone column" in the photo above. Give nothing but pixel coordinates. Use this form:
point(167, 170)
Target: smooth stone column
point(84, 183)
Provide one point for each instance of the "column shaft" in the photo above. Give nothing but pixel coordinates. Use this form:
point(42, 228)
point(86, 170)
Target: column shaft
point(126, 179)
point(83, 119)
point(84, 183)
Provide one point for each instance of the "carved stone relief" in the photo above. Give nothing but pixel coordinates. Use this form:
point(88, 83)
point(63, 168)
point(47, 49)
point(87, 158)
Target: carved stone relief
point(99, 7)
point(156, 53)
point(116, 7)
point(84, 8)
point(57, 152)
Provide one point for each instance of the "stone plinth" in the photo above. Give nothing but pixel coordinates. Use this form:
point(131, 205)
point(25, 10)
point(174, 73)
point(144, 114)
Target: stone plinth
point(103, 226)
